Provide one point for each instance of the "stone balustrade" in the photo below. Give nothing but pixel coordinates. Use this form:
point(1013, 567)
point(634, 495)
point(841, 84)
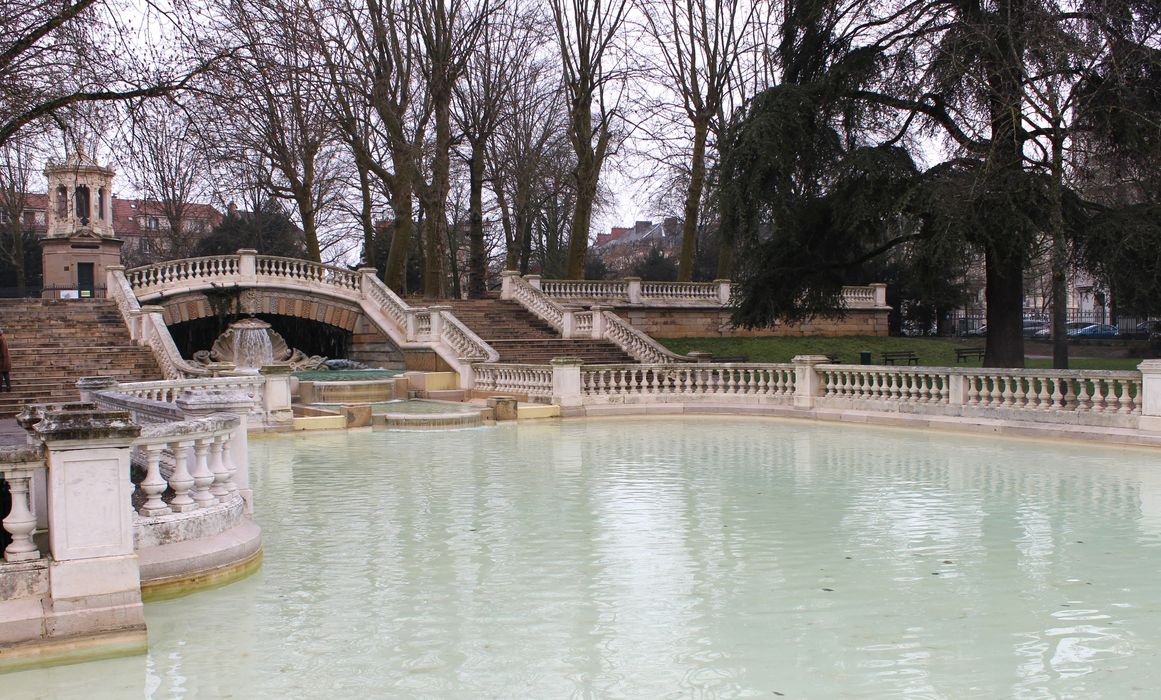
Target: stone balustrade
point(533, 381)
point(597, 323)
point(86, 541)
point(635, 291)
point(811, 386)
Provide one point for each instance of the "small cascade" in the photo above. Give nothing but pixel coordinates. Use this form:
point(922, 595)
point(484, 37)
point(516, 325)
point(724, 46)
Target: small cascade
point(252, 345)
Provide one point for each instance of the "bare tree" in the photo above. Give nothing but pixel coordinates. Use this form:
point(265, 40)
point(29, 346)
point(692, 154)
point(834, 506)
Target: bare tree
point(15, 182)
point(587, 32)
point(483, 101)
point(448, 32)
point(168, 168)
point(270, 111)
point(700, 43)
point(56, 56)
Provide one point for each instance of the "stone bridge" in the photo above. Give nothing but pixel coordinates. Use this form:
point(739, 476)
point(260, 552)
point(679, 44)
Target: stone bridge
point(353, 300)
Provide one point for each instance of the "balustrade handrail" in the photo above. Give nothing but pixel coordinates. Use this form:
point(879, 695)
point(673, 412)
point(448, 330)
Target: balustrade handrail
point(466, 343)
point(218, 424)
point(637, 344)
point(149, 329)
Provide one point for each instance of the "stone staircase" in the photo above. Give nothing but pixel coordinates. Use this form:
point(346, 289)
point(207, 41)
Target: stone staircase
point(522, 337)
point(53, 343)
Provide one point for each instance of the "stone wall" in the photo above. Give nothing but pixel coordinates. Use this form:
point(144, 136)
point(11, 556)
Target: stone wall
point(678, 322)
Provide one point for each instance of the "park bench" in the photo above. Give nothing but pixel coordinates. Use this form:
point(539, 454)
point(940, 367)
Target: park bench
point(833, 358)
point(963, 354)
point(903, 356)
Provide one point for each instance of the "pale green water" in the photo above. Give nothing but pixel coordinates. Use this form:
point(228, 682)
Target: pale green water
point(682, 558)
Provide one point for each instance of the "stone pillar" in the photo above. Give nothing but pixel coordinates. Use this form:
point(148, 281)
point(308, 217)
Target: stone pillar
point(723, 291)
point(150, 314)
point(880, 294)
point(247, 267)
point(1150, 398)
point(807, 384)
point(276, 399)
point(566, 382)
point(366, 274)
point(94, 578)
point(508, 284)
point(437, 321)
point(204, 402)
point(533, 281)
point(412, 329)
point(599, 321)
point(90, 385)
point(633, 285)
point(957, 389)
point(568, 322)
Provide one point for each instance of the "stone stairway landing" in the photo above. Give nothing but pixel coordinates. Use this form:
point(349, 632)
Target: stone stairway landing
point(55, 342)
point(522, 337)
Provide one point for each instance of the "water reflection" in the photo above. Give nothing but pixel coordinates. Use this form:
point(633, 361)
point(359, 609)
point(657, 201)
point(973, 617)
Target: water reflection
point(669, 558)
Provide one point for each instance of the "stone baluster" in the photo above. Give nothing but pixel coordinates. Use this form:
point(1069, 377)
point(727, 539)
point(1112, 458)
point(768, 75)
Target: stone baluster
point(219, 468)
point(181, 481)
point(235, 452)
point(21, 520)
point(203, 478)
point(153, 485)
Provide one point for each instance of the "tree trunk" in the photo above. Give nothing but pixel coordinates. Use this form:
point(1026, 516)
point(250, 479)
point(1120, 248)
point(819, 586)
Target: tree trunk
point(435, 201)
point(725, 251)
point(692, 202)
point(477, 257)
point(306, 211)
point(1059, 259)
point(578, 241)
point(400, 235)
point(1005, 318)
point(365, 213)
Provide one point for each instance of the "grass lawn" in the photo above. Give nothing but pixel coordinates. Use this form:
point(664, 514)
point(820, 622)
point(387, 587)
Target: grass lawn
point(933, 352)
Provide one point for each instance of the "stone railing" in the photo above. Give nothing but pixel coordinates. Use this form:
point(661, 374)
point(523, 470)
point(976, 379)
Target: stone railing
point(965, 396)
point(1052, 391)
point(147, 327)
point(634, 291)
point(201, 469)
point(666, 382)
point(596, 323)
point(305, 272)
point(167, 275)
point(87, 541)
point(533, 381)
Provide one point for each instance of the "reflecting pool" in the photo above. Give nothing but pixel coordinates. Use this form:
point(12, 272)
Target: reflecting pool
point(671, 558)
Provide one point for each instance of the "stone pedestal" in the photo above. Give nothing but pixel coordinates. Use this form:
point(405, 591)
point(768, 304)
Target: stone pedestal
point(93, 578)
point(503, 407)
point(807, 385)
point(1150, 398)
point(566, 382)
point(276, 396)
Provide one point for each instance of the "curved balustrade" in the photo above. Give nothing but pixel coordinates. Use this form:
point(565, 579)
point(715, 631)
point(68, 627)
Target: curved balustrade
point(534, 381)
point(178, 272)
point(200, 471)
point(306, 271)
point(686, 381)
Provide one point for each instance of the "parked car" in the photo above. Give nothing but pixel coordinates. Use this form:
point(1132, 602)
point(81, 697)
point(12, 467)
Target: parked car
point(1148, 329)
point(1069, 328)
point(1096, 330)
point(1031, 328)
point(978, 331)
